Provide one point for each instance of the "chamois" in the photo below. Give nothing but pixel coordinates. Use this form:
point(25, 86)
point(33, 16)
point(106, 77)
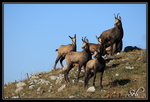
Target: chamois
point(96, 46)
point(92, 67)
point(79, 58)
point(118, 48)
point(63, 50)
point(113, 35)
point(107, 50)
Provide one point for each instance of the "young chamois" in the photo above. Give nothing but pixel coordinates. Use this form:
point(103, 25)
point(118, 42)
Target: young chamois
point(113, 36)
point(118, 48)
point(79, 58)
point(92, 67)
point(63, 50)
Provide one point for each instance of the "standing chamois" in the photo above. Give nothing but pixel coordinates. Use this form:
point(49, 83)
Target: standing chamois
point(118, 48)
point(96, 46)
point(113, 36)
point(79, 58)
point(64, 50)
point(92, 67)
point(107, 50)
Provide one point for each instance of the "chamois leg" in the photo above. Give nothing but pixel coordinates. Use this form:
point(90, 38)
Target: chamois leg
point(58, 57)
point(61, 59)
point(114, 48)
point(94, 78)
point(69, 67)
point(79, 70)
point(101, 76)
point(86, 78)
point(119, 46)
point(84, 67)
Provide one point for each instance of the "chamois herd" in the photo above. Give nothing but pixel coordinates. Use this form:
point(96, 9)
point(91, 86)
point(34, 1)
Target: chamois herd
point(109, 42)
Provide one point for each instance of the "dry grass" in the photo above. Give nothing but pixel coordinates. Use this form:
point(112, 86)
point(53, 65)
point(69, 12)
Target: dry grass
point(117, 81)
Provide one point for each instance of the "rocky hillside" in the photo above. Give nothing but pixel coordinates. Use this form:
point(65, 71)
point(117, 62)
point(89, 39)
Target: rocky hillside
point(124, 77)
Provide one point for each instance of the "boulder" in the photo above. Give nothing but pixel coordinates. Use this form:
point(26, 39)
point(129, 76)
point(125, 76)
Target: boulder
point(61, 88)
point(91, 89)
point(53, 77)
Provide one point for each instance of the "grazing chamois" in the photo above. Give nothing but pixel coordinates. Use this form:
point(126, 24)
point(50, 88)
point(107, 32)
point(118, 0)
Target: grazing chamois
point(79, 58)
point(92, 67)
point(113, 35)
point(63, 50)
point(131, 48)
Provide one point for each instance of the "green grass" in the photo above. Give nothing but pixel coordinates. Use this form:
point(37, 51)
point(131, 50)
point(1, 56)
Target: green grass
point(113, 86)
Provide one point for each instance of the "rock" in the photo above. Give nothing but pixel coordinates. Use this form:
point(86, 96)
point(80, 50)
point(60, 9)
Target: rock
point(59, 79)
point(31, 87)
point(15, 97)
point(40, 90)
point(20, 84)
point(118, 53)
point(50, 88)
point(125, 59)
point(116, 74)
point(71, 96)
point(81, 81)
point(61, 88)
point(9, 83)
point(103, 90)
point(73, 81)
point(22, 94)
point(33, 81)
point(42, 81)
point(36, 75)
point(53, 77)
point(91, 89)
point(18, 89)
point(129, 67)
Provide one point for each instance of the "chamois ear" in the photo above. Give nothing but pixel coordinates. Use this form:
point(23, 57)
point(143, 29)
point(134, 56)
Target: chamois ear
point(87, 40)
point(70, 37)
point(75, 36)
point(96, 37)
point(94, 49)
point(82, 39)
point(119, 17)
point(116, 17)
point(98, 50)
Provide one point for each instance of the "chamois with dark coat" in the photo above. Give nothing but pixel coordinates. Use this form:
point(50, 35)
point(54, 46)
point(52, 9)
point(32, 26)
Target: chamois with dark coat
point(63, 50)
point(79, 58)
point(113, 35)
point(107, 50)
point(92, 67)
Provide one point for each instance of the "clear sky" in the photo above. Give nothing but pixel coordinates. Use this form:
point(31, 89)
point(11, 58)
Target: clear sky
point(32, 32)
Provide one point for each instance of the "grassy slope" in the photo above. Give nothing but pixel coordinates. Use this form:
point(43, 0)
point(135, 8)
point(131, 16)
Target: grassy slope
point(117, 80)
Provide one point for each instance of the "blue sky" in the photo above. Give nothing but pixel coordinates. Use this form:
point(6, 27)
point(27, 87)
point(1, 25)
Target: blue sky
point(32, 32)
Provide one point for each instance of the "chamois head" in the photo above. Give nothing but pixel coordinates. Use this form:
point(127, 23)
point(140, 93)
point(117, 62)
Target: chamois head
point(85, 43)
point(118, 21)
point(96, 53)
point(99, 40)
point(73, 38)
